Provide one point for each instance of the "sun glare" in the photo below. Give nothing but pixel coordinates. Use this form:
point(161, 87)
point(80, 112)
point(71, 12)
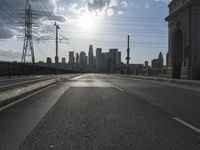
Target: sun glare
point(87, 22)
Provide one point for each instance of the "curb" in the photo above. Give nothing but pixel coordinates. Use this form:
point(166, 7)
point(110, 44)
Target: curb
point(194, 83)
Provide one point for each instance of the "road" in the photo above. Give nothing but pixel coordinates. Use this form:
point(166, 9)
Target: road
point(104, 112)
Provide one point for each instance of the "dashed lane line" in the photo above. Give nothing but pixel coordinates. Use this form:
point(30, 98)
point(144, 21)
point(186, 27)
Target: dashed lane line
point(187, 124)
point(119, 89)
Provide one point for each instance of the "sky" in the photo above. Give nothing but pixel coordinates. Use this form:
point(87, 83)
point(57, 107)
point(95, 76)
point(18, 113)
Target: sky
point(103, 23)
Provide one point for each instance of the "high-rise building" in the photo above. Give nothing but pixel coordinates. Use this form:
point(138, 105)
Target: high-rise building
point(146, 64)
point(98, 59)
point(119, 58)
point(158, 63)
point(63, 60)
point(90, 56)
point(167, 56)
point(94, 62)
point(77, 59)
point(160, 57)
point(83, 60)
point(113, 59)
point(71, 57)
point(106, 61)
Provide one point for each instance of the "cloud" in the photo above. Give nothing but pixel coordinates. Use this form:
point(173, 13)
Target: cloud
point(147, 5)
point(96, 7)
point(97, 4)
point(10, 53)
point(120, 12)
point(124, 4)
point(44, 15)
point(110, 12)
point(100, 4)
point(12, 15)
point(165, 1)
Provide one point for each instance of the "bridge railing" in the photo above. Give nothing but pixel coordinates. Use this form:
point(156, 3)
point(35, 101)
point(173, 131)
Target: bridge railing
point(20, 69)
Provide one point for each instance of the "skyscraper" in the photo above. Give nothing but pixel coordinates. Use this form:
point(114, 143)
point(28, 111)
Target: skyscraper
point(160, 57)
point(113, 59)
point(146, 64)
point(98, 59)
point(158, 63)
point(106, 61)
point(71, 57)
point(90, 56)
point(119, 58)
point(77, 59)
point(83, 60)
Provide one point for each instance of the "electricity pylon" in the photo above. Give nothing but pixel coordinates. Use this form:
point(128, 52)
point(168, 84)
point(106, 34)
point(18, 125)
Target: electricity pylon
point(28, 51)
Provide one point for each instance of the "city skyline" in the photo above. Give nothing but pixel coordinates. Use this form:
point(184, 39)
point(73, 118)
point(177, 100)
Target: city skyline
point(101, 62)
point(121, 17)
point(99, 74)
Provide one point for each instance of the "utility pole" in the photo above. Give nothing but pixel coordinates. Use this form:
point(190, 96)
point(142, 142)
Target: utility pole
point(128, 56)
point(56, 58)
point(28, 50)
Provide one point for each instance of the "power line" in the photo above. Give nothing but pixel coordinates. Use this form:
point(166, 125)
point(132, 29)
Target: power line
point(40, 50)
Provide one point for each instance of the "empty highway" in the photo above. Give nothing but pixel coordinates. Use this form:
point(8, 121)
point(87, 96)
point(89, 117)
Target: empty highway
point(104, 112)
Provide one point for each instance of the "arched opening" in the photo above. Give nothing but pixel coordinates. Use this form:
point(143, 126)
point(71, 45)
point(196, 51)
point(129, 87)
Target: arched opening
point(177, 54)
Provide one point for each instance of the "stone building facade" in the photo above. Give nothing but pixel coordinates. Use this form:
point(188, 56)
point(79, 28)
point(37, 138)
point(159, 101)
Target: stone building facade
point(184, 39)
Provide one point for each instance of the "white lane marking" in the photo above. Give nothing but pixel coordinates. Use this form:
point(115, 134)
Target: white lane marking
point(76, 78)
point(187, 125)
point(119, 88)
point(24, 98)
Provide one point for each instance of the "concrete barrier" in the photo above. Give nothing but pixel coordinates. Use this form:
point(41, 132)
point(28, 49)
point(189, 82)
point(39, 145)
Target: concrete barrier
point(9, 96)
point(195, 83)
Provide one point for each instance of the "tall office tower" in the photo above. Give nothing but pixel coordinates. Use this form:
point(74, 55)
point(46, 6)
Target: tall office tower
point(119, 58)
point(77, 58)
point(146, 64)
point(160, 57)
point(113, 59)
point(94, 62)
point(98, 59)
point(83, 59)
point(158, 63)
point(71, 57)
point(106, 61)
point(90, 56)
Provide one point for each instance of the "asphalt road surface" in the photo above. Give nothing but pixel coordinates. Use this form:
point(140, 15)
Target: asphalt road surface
point(104, 112)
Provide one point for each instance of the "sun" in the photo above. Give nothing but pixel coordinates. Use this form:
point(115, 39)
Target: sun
point(87, 22)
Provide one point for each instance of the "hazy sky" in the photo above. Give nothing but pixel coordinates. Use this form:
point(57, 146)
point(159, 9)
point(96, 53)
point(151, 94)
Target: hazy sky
point(103, 23)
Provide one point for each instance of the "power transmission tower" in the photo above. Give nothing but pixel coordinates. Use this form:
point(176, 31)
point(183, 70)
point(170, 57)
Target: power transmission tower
point(28, 51)
point(128, 56)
